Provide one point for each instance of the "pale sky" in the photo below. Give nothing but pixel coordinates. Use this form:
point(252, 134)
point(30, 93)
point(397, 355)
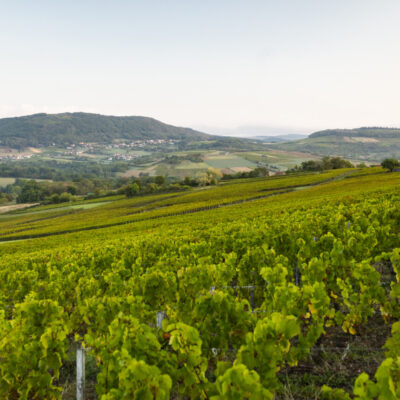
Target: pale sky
point(295, 65)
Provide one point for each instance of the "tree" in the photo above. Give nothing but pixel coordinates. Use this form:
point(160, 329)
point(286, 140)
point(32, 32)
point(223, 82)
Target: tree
point(188, 181)
point(72, 189)
point(55, 198)
point(326, 163)
point(338, 163)
point(213, 175)
point(311, 165)
point(30, 192)
point(390, 163)
point(3, 198)
point(151, 188)
point(132, 189)
point(65, 197)
point(159, 180)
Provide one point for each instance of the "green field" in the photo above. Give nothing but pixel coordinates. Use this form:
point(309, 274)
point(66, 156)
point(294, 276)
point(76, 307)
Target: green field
point(280, 159)
point(6, 181)
point(9, 181)
point(270, 288)
point(228, 162)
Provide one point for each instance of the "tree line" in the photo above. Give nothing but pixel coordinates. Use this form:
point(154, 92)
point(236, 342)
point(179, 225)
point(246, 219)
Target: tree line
point(326, 163)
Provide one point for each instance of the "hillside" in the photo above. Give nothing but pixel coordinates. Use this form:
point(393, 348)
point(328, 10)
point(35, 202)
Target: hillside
point(279, 138)
point(369, 144)
point(62, 129)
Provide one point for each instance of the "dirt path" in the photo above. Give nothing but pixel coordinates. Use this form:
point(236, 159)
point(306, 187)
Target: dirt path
point(4, 209)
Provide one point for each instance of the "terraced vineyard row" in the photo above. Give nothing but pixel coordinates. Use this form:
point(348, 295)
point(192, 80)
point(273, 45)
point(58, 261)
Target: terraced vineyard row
point(142, 208)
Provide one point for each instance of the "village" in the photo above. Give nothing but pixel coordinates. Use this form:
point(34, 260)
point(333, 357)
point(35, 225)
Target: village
point(84, 149)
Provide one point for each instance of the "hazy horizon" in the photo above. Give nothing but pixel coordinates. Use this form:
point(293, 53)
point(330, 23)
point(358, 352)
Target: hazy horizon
point(243, 131)
point(287, 67)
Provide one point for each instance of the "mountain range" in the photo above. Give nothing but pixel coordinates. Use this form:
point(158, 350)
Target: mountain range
point(279, 138)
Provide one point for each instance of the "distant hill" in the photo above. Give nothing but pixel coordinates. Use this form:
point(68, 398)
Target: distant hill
point(383, 133)
point(279, 138)
point(369, 144)
point(67, 128)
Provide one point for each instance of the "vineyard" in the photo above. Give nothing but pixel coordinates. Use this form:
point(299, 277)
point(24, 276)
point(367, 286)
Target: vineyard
point(247, 290)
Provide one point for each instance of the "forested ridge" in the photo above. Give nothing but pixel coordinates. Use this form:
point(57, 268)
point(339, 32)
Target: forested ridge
point(68, 128)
